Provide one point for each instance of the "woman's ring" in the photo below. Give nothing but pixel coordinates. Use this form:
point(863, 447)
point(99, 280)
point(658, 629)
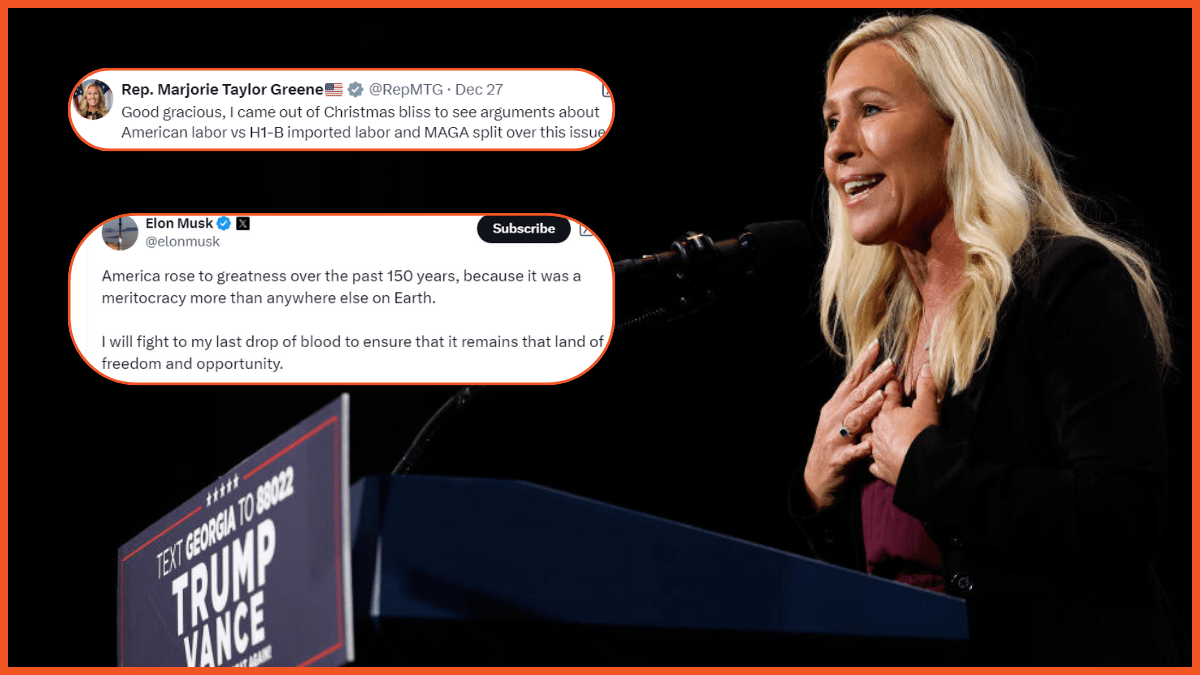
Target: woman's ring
point(844, 431)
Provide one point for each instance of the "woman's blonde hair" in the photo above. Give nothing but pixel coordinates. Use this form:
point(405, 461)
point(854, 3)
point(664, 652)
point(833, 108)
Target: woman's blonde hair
point(83, 105)
point(1002, 184)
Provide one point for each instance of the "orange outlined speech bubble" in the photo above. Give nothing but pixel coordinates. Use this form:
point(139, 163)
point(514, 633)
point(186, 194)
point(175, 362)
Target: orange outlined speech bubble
point(340, 298)
point(341, 109)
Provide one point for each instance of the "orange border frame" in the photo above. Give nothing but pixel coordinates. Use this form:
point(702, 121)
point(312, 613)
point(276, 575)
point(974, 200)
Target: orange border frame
point(886, 4)
point(74, 343)
point(607, 131)
point(594, 4)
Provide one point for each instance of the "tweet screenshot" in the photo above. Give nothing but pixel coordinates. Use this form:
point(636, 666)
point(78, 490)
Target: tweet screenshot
point(321, 298)
point(288, 109)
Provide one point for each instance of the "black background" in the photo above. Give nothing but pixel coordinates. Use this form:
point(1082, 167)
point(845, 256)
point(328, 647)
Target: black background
point(703, 421)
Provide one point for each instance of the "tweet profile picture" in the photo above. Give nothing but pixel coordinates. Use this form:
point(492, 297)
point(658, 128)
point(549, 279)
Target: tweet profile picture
point(119, 233)
point(93, 99)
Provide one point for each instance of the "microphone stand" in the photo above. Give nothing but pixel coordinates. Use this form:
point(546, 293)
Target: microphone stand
point(451, 409)
point(691, 300)
point(693, 261)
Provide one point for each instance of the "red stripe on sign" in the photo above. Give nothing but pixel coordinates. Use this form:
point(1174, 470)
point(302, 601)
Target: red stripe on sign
point(337, 524)
point(298, 441)
point(327, 652)
point(161, 533)
point(337, 545)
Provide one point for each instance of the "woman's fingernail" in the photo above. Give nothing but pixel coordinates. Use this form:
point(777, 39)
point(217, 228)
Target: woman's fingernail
point(926, 371)
point(877, 395)
point(889, 362)
point(873, 342)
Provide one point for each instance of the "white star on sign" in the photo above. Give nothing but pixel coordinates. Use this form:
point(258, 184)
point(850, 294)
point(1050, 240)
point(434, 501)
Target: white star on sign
point(208, 500)
point(235, 480)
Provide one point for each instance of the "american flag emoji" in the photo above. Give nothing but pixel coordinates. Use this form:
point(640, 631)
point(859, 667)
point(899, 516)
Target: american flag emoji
point(333, 88)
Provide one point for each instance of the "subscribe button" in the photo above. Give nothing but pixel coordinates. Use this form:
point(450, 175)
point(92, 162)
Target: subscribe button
point(523, 229)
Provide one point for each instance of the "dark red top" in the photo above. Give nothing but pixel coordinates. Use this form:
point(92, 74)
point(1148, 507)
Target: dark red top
point(896, 544)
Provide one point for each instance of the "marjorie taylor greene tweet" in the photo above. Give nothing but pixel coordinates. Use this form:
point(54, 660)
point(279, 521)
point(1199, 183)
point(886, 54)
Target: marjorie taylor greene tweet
point(451, 109)
point(236, 298)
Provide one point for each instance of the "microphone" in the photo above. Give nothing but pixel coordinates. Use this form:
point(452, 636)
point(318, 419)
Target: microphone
point(761, 249)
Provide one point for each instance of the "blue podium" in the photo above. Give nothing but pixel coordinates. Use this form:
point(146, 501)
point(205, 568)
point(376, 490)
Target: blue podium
point(459, 571)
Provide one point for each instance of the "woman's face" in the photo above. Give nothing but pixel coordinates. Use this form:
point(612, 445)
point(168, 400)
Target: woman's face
point(886, 150)
point(93, 96)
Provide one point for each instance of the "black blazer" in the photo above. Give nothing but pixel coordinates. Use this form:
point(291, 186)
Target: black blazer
point(1044, 483)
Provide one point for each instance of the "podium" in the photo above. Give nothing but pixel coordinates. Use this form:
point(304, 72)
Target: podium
point(468, 571)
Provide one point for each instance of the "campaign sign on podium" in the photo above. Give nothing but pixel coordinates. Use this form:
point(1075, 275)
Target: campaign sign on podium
point(254, 570)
